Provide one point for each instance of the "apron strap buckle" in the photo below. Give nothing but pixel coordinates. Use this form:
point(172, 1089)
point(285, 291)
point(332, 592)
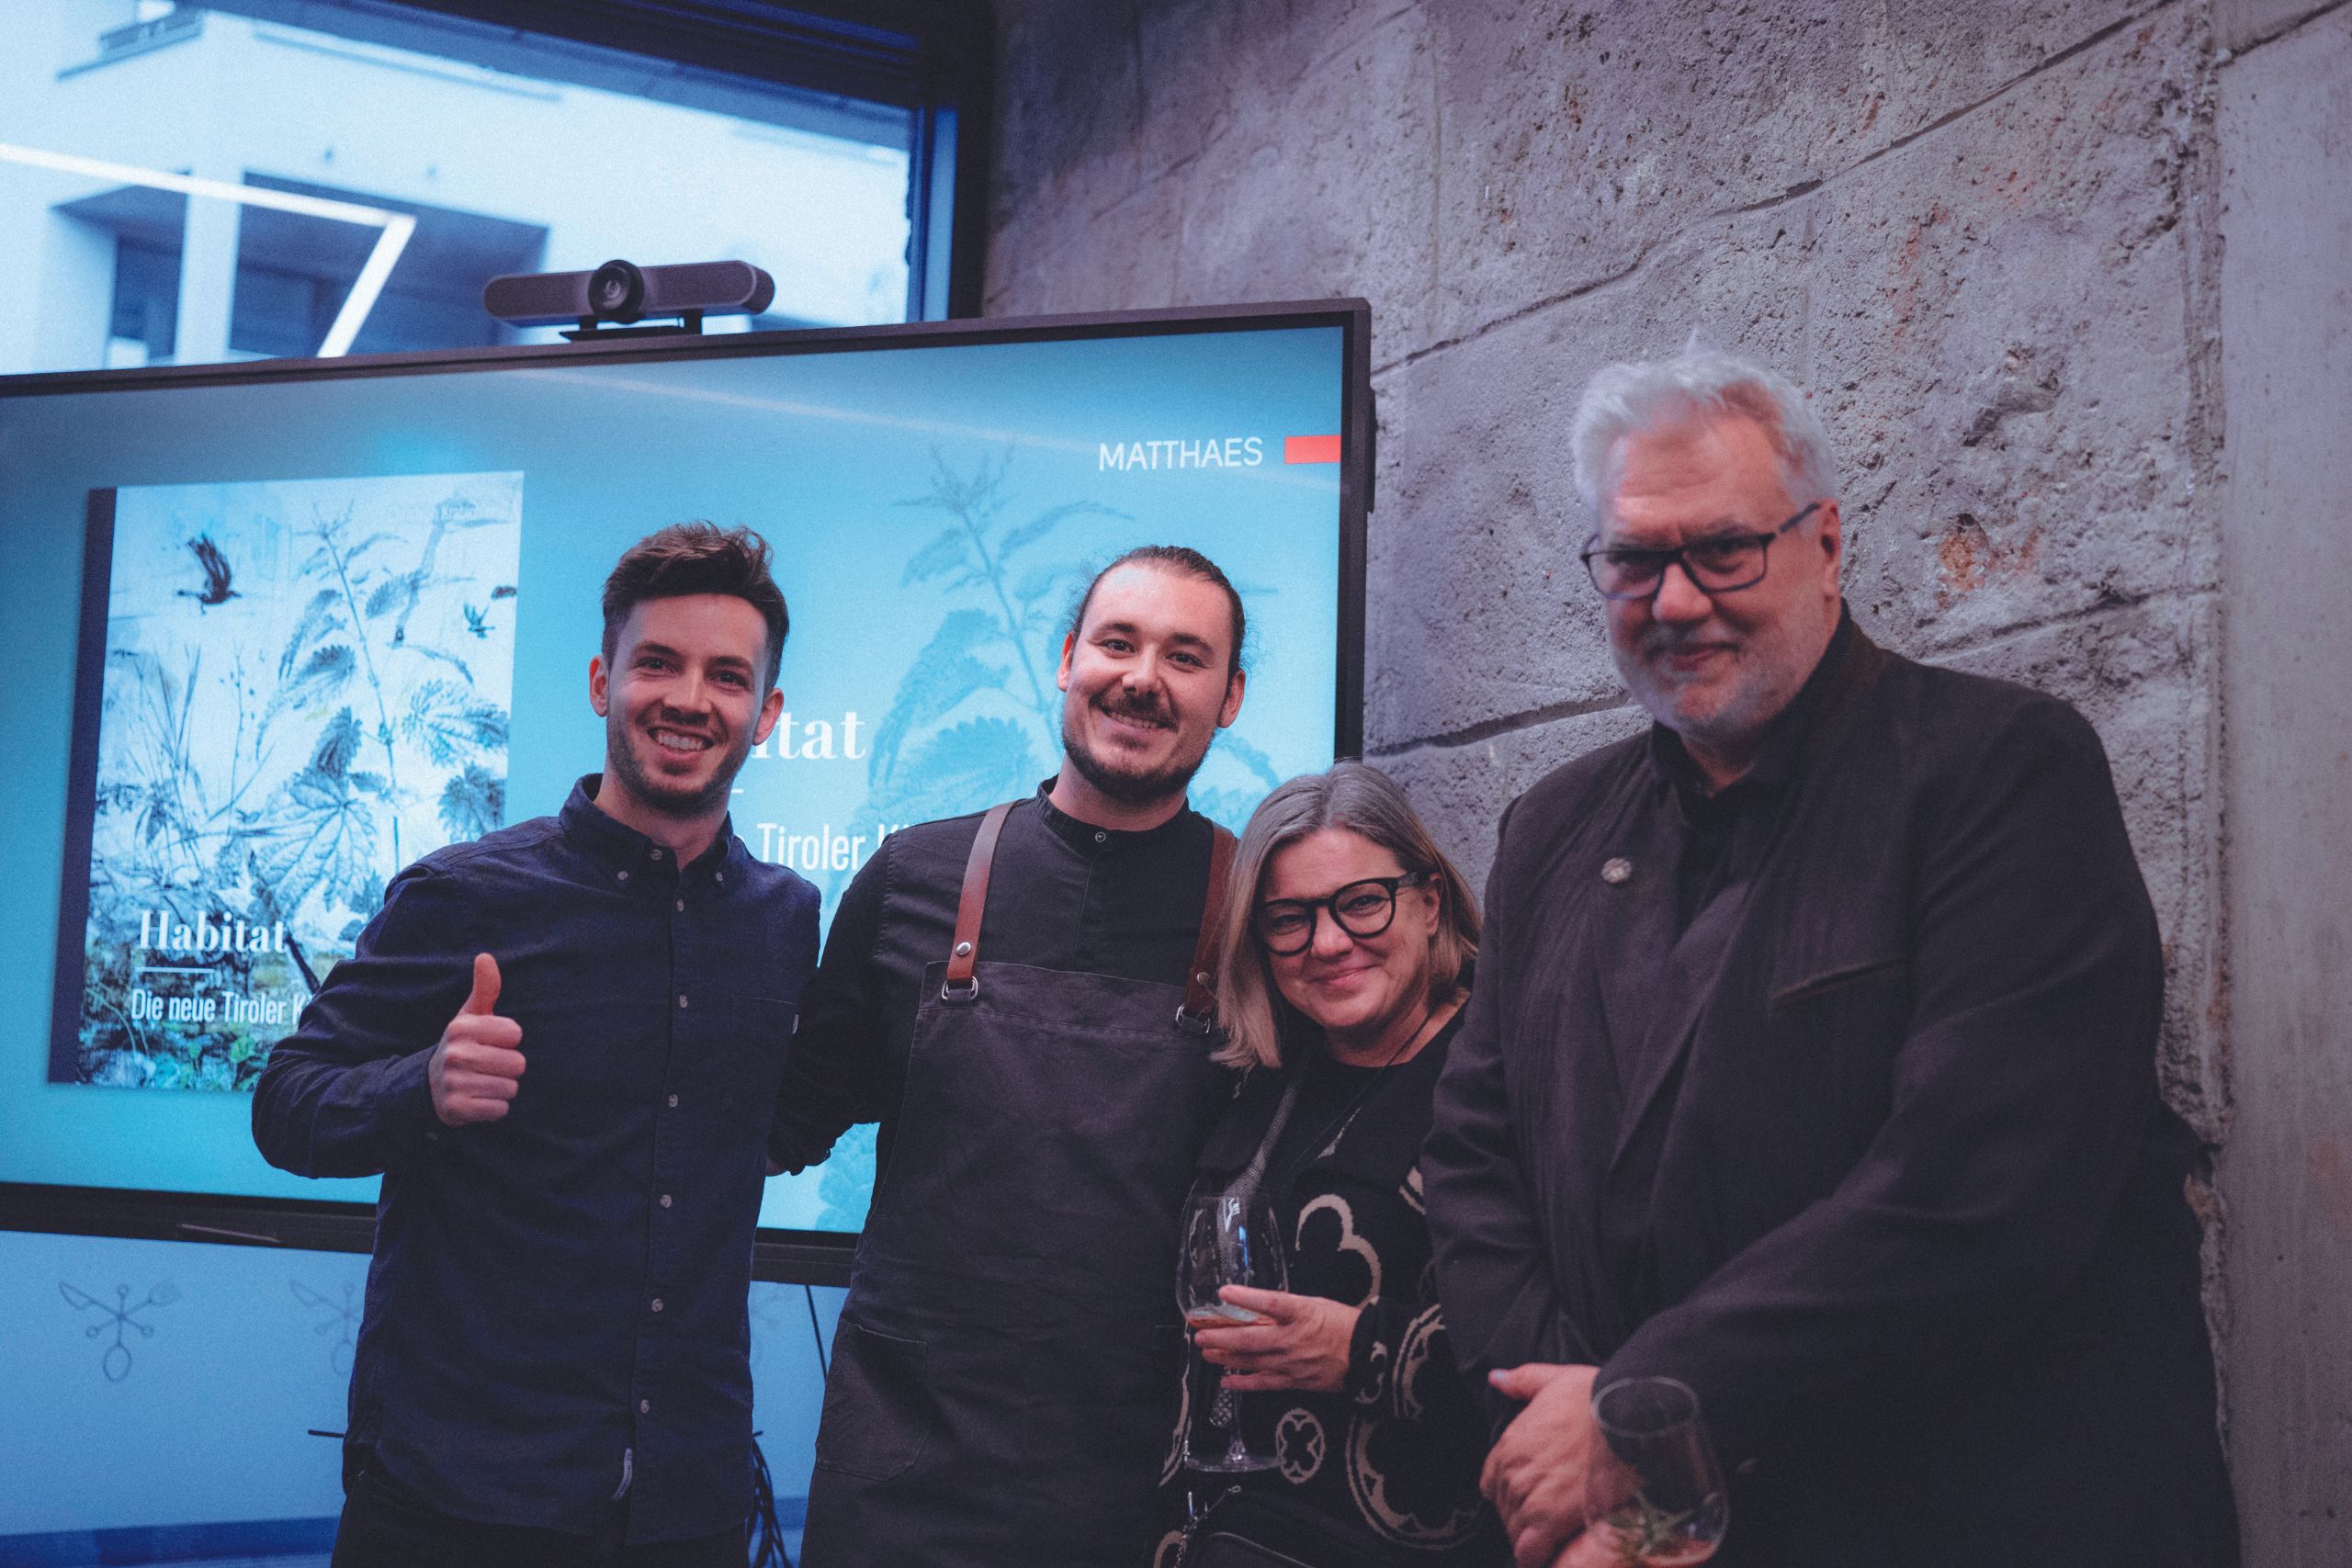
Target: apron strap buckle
point(1191, 1022)
point(968, 993)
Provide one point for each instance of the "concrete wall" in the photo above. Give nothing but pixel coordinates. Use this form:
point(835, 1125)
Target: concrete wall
point(1989, 238)
point(2286, 1171)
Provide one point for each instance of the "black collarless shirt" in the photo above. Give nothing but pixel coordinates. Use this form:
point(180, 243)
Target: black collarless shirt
point(1063, 895)
point(556, 1309)
point(1709, 818)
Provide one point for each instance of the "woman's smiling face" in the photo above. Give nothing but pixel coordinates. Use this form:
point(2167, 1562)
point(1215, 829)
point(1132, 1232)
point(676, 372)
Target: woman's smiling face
point(1359, 990)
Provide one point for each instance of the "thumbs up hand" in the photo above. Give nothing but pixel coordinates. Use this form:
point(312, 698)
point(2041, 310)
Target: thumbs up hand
point(478, 1065)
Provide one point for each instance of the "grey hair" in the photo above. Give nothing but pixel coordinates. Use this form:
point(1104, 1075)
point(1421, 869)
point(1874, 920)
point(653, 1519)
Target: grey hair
point(1625, 400)
point(1367, 801)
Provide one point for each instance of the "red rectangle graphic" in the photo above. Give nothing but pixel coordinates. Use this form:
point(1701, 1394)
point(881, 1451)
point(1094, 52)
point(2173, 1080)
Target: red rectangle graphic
point(1310, 448)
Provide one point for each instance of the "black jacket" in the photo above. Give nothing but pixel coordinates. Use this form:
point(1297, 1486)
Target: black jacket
point(1872, 1156)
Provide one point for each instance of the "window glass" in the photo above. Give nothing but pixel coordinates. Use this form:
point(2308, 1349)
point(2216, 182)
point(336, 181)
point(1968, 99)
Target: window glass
point(182, 184)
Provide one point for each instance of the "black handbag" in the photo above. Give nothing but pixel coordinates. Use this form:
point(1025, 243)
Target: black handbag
point(1251, 1530)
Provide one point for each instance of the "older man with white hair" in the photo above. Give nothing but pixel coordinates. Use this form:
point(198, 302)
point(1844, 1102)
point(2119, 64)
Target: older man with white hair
point(1811, 1068)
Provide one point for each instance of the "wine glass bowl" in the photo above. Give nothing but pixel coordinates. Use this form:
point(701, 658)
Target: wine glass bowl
point(1228, 1240)
point(1656, 1491)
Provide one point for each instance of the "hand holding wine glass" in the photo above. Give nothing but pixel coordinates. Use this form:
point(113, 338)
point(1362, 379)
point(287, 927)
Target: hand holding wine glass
point(1654, 1493)
point(1535, 1473)
point(1228, 1240)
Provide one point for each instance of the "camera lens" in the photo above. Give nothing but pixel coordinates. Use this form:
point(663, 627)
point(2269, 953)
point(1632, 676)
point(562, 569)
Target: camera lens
point(616, 292)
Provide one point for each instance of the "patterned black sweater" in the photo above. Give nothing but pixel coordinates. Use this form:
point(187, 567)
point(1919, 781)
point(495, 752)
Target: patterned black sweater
point(1393, 1458)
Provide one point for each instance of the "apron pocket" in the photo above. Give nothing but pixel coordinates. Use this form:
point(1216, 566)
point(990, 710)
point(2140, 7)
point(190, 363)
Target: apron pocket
point(873, 1425)
point(1125, 1364)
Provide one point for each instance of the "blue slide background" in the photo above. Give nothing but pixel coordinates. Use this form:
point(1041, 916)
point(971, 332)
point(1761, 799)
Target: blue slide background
point(933, 509)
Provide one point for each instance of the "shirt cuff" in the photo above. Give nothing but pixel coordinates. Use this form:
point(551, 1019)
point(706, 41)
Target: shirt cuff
point(400, 1098)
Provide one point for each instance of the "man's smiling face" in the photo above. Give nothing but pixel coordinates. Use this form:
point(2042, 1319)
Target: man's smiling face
point(1718, 669)
point(682, 703)
point(1147, 681)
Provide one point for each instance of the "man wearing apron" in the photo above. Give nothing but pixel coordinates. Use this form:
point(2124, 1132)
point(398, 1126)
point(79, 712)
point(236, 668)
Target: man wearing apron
point(1021, 998)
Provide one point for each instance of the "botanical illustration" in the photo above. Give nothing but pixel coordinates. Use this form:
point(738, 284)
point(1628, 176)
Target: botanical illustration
point(976, 719)
point(307, 685)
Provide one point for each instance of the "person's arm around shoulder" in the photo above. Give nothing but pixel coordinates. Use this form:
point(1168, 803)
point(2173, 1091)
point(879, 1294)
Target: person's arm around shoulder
point(402, 1038)
point(831, 1068)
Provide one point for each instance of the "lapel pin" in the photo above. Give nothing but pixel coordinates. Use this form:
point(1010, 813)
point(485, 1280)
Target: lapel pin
point(1615, 870)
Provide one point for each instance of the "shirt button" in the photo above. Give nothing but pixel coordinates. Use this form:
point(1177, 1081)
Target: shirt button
point(645, 1407)
point(718, 875)
point(665, 1197)
point(673, 1102)
point(682, 998)
point(624, 877)
point(682, 906)
point(657, 1303)
point(1101, 837)
point(655, 855)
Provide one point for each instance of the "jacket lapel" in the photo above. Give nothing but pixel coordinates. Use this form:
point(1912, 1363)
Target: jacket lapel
point(1686, 983)
point(1636, 925)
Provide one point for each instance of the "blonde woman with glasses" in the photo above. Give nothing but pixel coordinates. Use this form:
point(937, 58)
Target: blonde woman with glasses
point(1346, 952)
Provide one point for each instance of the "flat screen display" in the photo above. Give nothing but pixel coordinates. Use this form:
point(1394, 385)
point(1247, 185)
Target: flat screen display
point(282, 629)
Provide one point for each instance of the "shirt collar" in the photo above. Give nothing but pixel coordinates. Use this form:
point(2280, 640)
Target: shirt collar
point(1095, 840)
point(1778, 765)
point(617, 847)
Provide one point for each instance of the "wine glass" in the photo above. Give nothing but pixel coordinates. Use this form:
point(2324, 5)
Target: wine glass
point(1656, 1490)
point(1228, 1240)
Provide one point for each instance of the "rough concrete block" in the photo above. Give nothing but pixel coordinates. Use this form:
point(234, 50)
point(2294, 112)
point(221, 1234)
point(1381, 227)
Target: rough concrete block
point(2285, 132)
point(1032, 277)
point(1999, 340)
point(1338, 180)
point(1461, 791)
point(1579, 136)
point(1211, 67)
point(2237, 23)
point(1069, 99)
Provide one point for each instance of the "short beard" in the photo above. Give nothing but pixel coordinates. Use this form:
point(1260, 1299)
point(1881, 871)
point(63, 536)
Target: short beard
point(663, 799)
point(1128, 788)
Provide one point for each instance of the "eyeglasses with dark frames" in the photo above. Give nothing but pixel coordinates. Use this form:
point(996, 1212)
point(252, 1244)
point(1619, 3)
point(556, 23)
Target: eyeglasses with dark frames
point(1725, 563)
point(1285, 927)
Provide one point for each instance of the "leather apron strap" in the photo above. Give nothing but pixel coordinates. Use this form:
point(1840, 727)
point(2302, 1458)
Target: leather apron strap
point(1199, 1011)
point(961, 984)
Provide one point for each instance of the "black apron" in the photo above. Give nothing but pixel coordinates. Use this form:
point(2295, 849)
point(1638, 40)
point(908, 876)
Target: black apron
point(1007, 1367)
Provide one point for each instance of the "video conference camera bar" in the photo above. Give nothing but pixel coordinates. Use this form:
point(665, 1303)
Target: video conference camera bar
point(609, 302)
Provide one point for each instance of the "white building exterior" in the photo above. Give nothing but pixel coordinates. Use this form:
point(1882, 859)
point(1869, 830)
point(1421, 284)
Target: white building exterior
point(503, 173)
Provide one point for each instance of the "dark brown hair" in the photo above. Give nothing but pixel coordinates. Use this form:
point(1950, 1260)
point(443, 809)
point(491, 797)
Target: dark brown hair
point(697, 558)
point(1185, 561)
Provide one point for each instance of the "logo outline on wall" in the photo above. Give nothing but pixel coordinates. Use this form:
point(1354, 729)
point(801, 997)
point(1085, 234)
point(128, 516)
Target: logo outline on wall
point(122, 1317)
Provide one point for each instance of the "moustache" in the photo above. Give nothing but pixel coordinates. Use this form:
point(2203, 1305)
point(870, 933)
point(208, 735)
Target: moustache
point(1146, 710)
point(1660, 641)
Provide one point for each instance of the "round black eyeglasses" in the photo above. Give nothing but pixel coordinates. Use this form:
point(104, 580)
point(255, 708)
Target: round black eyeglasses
point(1725, 563)
point(1285, 927)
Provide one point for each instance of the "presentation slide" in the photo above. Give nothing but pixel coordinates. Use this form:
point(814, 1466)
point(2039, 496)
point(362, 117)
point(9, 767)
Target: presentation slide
point(281, 638)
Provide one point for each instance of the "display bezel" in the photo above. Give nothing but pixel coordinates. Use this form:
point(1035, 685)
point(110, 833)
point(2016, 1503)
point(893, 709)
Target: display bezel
point(787, 1256)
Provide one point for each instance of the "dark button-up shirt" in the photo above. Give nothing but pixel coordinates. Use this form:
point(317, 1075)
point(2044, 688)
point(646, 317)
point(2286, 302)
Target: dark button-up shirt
point(556, 1312)
point(1063, 895)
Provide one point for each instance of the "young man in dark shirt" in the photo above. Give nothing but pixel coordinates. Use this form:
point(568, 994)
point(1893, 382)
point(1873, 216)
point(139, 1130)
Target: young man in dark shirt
point(1013, 997)
point(560, 1045)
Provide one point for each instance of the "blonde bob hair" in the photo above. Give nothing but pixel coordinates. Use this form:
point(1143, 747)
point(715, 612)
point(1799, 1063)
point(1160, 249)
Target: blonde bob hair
point(1367, 801)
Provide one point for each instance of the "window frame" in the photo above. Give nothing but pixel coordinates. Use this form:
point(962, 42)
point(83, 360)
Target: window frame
point(933, 58)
